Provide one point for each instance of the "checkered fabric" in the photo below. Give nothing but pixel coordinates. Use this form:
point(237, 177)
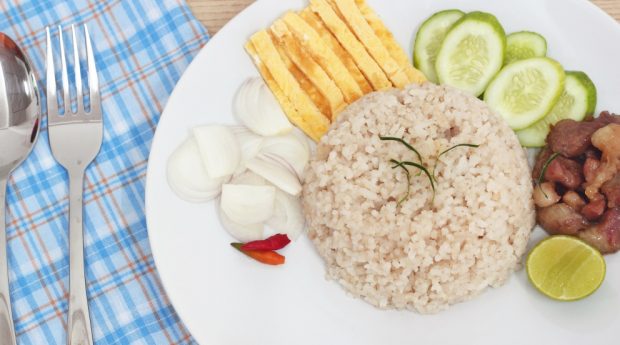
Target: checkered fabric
point(142, 48)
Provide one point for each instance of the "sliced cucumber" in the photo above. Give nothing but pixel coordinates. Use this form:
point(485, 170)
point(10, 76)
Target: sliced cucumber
point(472, 53)
point(429, 38)
point(525, 91)
point(524, 45)
point(577, 101)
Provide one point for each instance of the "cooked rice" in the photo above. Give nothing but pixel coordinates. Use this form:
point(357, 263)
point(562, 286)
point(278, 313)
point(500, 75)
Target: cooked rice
point(423, 255)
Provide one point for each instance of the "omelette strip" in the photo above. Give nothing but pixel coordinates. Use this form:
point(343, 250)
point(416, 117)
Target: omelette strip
point(315, 94)
point(386, 36)
point(308, 116)
point(357, 23)
point(315, 22)
point(313, 43)
point(313, 71)
point(374, 74)
point(286, 104)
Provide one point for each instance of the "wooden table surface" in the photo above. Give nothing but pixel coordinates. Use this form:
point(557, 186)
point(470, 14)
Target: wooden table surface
point(215, 13)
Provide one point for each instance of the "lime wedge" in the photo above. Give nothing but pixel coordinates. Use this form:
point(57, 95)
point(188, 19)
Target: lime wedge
point(565, 268)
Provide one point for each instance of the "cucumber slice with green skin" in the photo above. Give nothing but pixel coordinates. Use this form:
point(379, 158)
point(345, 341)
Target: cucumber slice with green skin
point(525, 91)
point(429, 39)
point(577, 101)
point(472, 53)
point(524, 45)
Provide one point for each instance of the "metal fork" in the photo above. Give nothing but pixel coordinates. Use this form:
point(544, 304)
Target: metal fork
point(75, 139)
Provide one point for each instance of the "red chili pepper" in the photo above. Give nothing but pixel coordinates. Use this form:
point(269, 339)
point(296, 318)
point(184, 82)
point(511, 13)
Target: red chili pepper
point(266, 257)
point(274, 242)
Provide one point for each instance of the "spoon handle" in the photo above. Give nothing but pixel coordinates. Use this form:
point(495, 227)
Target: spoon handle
point(79, 331)
point(7, 331)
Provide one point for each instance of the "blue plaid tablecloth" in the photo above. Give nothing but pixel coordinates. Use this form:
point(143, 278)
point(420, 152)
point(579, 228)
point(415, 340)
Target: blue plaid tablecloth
point(142, 48)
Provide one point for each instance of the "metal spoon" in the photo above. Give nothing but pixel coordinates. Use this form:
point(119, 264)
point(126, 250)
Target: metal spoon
point(19, 124)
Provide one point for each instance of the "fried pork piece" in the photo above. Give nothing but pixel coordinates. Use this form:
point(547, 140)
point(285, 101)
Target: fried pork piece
point(611, 190)
point(588, 151)
point(566, 172)
point(574, 200)
point(589, 168)
point(561, 219)
point(594, 210)
point(572, 139)
point(606, 139)
point(545, 195)
point(605, 236)
point(541, 159)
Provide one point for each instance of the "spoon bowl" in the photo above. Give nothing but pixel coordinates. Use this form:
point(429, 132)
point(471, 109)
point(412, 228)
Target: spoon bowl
point(19, 127)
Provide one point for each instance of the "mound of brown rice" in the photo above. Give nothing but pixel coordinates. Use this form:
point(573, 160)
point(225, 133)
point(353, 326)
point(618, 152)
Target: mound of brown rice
point(425, 254)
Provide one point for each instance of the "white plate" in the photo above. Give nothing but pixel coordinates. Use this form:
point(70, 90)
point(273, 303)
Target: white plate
point(224, 298)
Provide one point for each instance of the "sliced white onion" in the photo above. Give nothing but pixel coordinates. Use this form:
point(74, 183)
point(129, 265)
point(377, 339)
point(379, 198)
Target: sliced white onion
point(292, 148)
point(187, 176)
point(249, 178)
point(257, 108)
point(276, 174)
point(243, 233)
point(250, 144)
point(303, 138)
point(287, 216)
point(247, 204)
point(271, 158)
point(219, 149)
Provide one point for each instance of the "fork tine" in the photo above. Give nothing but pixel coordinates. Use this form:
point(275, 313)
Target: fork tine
point(78, 72)
point(66, 91)
point(52, 101)
point(93, 79)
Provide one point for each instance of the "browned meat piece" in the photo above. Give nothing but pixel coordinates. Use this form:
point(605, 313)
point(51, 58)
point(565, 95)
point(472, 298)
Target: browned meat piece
point(545, 195)
point(594, 210)
point(592, 153)
point(607, 118)
point(605, 236)
point(611, 190)
point(588, 151)
point(571, 138)
point(574, 200)
point(606, 139)
point(541, 159)
point(589, 168)
point(566, 172)
point(561, 219)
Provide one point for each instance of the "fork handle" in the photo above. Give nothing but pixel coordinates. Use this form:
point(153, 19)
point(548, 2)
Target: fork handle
point(7, 331)
point(79, 331)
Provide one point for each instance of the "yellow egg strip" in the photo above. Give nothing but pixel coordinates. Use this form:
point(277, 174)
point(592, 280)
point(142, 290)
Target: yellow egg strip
point(308, 117)
point(311, 69)
point(366, 35)
point(312, 42)
point(315, 94)
point(315, 22)
point(347, 39)
point(386, 36)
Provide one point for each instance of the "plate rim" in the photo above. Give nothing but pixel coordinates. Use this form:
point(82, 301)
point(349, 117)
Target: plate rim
point(220, 35)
